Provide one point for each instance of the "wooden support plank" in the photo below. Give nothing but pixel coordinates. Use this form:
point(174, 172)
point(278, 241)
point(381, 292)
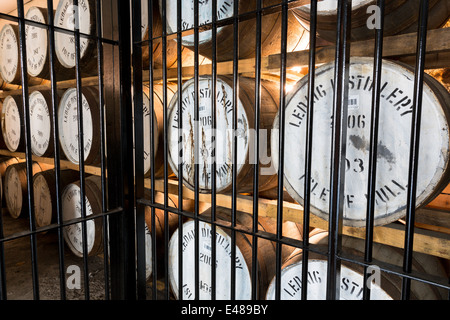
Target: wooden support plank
point(65, 164)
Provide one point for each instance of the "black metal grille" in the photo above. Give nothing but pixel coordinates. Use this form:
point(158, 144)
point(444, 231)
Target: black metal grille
point(151, 214)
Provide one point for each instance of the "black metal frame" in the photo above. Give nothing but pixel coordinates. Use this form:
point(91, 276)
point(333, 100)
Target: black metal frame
point(334, 254)
point(123, 187)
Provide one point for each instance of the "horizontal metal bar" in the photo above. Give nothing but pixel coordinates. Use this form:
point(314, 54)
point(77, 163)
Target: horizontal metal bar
point(58, 29)
point(397, 270)
point(66, 223)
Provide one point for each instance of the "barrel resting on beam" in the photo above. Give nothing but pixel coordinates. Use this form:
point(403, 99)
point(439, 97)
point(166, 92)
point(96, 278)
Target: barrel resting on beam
point(425, 241)
point(400, 47)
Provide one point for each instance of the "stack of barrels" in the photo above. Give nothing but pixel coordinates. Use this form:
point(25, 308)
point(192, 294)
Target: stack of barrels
point(215, 123)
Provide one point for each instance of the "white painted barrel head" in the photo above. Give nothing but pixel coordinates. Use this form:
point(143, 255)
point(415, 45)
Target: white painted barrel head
point(40, 123)
point(224, 134)
point(397, 85)
point(71, 208)
point(43, 208)
point(224, 11)
point(36, 40)
point(223, 264)
point(351, 283)
point(11, 124)
point(65, 17)
point(68, 125)
point(13, 192)
point(9, 53)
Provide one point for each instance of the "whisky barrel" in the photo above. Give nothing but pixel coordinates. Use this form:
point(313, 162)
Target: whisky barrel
point(13, 126)
point(68, 125)
point(172, 218)
point(266, 256)
point(223, 135)
point(298, 37)
point(44, 188)
point(387, 287)
point(71, 208)
point(400, 17)
point(36, 39)
point(16, 187)
point(5, 162)
point(10, 65)
point(9, 54)
point(171, 45)
point(65, 42)
point(397, 83)
point(41, 123)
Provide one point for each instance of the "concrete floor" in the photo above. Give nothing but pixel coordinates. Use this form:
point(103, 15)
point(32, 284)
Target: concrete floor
point(18, 266)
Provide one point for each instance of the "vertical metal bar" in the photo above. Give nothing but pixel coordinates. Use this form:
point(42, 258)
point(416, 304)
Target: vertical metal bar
point(152, 151)
point(28, 154)
point(370, 215)
point(196, 151)
point(180, 149)
point(256, 142)
point(102, 146)
point(338, 147)
point(120, 169)
point(81, 150)
point(414, 149)
point(284, 26)
point(166, 170)
point(3, 292)
point(308, 147)
point(234, 145)
point(139, 148)
point(59, 217)
point(214, 144)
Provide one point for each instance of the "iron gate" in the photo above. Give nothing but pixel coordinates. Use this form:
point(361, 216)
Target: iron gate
point(147, 203)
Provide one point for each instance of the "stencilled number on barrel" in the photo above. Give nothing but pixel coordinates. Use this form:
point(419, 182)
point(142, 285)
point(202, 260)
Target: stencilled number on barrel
point(356, 121)
point(356, 165)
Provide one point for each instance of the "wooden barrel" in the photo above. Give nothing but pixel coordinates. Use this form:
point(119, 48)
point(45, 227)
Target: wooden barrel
point(5, 162)
point(158, 108)
point(265, 256)
point(386, 287)
point(65, 43)
point(171, 45)
point(400, 17)
point(13, 126)
point(41, 123)
point(44, 188)
point(71, 208)
point(68, 125)
point(188, 205)
point(36, 38)
point(224, 134)
point(397, 85)
point(10, 68)
point(298, 37)
point(10, 65)
point(16, 187)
